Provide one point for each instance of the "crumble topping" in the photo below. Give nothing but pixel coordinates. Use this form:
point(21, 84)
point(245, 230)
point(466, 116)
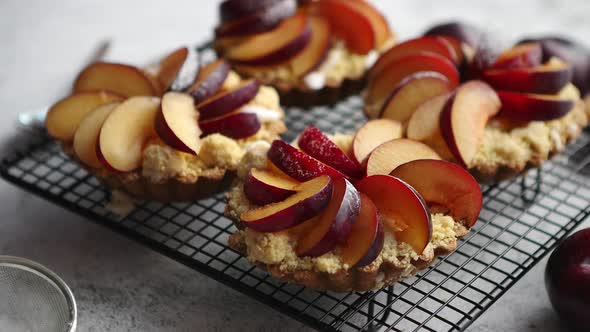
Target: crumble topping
point(267, 97)
point(339, 65)
point(255, 157)
point(442, 230)
point(218, 150)
point(231, 81)
point(161, 162)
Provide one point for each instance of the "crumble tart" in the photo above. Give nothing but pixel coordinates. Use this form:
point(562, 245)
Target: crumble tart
point(317, 53)
point(307, 253)
point(172, 146)
point(514, 112)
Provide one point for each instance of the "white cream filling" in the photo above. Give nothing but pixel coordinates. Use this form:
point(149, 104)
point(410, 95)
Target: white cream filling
point(316, 80)
point(264, 114)
point(371, 58)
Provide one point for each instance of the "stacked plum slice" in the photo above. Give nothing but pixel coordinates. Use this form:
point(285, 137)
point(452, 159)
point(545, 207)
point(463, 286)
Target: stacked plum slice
point(577, 55)
point(529, 89)
point(112, 111)
point(115, 109)
point(255, 35)
point(410, 73)
point(445, 87)
point(362, 27)
point(324, 197)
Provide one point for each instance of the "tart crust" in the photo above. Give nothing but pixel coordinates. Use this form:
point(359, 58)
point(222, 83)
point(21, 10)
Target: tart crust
point(177, 188)
point(510, 150)
point(381, 273)
point(557, 133)
point(390, 266)
point(168, 175)
point(274, 253)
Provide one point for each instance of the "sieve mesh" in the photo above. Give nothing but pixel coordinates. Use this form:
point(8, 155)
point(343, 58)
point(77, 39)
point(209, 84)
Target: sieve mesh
point(32, 299)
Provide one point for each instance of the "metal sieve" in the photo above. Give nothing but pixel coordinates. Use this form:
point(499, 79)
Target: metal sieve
point(34, 299)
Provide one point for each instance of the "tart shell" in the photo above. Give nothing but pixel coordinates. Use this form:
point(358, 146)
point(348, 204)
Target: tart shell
point(379, 274)
point(171, 190)
point(383, 271)
point(175, 189)
point(488, 174)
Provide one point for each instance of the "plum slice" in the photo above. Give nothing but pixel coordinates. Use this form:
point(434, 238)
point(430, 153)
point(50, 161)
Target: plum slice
point(402, 209)
point(310, 200)
point(263, 187)
point(333, 226)
point(365, 240)
point(444, 184)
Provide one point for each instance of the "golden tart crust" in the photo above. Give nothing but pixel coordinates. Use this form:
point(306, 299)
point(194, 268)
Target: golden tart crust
point(172, 189)
point(169, 175)
point(175, 176)
point(274, 252)
point(508, 150)
point(505, 153)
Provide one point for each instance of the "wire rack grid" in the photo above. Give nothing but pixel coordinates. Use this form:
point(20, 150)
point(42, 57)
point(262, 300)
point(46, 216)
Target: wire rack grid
point(521, 221)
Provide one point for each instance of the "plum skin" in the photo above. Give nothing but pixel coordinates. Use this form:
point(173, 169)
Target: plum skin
point(567, 280)
point(347, 213)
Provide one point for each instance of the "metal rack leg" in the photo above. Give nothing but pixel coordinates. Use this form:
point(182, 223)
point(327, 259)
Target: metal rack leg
point(371, 312)
point(537, 184)
point(386, 313)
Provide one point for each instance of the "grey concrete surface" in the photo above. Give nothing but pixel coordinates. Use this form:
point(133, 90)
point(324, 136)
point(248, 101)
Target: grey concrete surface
point(121, 286)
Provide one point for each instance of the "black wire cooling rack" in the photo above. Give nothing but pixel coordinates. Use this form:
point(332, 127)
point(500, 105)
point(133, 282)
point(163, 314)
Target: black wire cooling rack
point(522, 220)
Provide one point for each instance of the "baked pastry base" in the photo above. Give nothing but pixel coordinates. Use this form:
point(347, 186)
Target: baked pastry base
point(396, 262)
point(171, 190)
point(381, 273)
point(494, 172)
